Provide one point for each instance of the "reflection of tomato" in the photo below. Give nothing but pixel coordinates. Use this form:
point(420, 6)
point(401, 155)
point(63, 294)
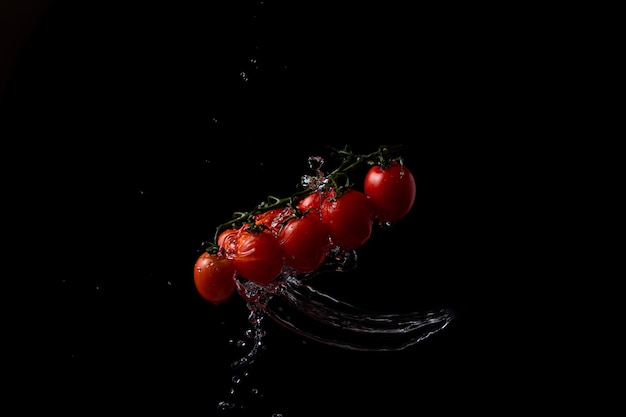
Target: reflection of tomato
point(305, 242)
point(391, 190)
point(258, 256)
point(214, 276)
point(350, 219)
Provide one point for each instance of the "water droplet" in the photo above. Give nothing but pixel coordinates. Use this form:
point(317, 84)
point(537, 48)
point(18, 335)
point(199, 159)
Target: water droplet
point(315, 163)
point(225, 405)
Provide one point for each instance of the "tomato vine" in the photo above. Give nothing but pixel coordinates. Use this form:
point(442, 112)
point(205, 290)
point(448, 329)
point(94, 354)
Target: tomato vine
point(338, 180)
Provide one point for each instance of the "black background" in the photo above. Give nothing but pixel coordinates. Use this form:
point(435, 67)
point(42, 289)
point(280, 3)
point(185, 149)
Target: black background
point(132, 131)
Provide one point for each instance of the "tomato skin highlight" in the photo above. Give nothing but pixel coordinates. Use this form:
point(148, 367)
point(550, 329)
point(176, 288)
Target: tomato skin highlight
point(258, 256)
point(305, 242)
point(350, 219)
point(391, 190)
point(214, 277)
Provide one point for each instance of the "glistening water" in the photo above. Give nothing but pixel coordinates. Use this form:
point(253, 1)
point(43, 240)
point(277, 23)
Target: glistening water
point(296, 305)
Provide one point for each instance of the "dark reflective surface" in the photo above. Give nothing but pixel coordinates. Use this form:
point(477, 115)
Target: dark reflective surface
point(137, 131)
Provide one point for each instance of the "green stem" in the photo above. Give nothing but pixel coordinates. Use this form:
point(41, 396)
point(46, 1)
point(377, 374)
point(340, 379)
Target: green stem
point(350, 161)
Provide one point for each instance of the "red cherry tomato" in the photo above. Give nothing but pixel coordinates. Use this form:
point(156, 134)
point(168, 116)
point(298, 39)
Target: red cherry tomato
point(313, 201)
point(350, 219)
point(391, 190)
point(273, 218)
point(226, 241)
point(214, 277)
point(305, 242)
point(258, 256)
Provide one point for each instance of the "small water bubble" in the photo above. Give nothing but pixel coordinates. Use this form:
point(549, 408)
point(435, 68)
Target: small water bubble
point(232, 391)
point(249, 333)
point(241, 343)
point(244, 76)
point(236, 379)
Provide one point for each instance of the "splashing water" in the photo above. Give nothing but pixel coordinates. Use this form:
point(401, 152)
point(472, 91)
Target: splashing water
point(298, 306)
point(291, 301)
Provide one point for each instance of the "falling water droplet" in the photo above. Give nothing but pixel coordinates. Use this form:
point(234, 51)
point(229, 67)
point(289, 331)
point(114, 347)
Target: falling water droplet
point(225, 405)
point(316, 163)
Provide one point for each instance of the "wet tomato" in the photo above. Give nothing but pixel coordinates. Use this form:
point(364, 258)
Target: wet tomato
point(311, 201)
point(391, 190)
point(214, 277)
point(258, 256)
point(350, 219)
point(226, 241)
point(305, 242)
point(273, 218)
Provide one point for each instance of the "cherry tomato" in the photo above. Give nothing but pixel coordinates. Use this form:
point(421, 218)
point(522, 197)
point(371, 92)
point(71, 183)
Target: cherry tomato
point(305, 242)
point(350, 219)
point(273, 218)
point(391, 190)
point(226, 241)
point(311, 201)
point(258, 256)
point(214, 277)
point(314, 200)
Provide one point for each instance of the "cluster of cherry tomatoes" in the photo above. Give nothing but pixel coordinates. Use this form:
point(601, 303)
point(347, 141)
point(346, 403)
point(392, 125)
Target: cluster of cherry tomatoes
point(301, 234)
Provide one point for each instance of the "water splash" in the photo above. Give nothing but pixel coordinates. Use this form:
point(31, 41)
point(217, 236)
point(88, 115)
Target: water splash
point(296, 305)
point(240, 392)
